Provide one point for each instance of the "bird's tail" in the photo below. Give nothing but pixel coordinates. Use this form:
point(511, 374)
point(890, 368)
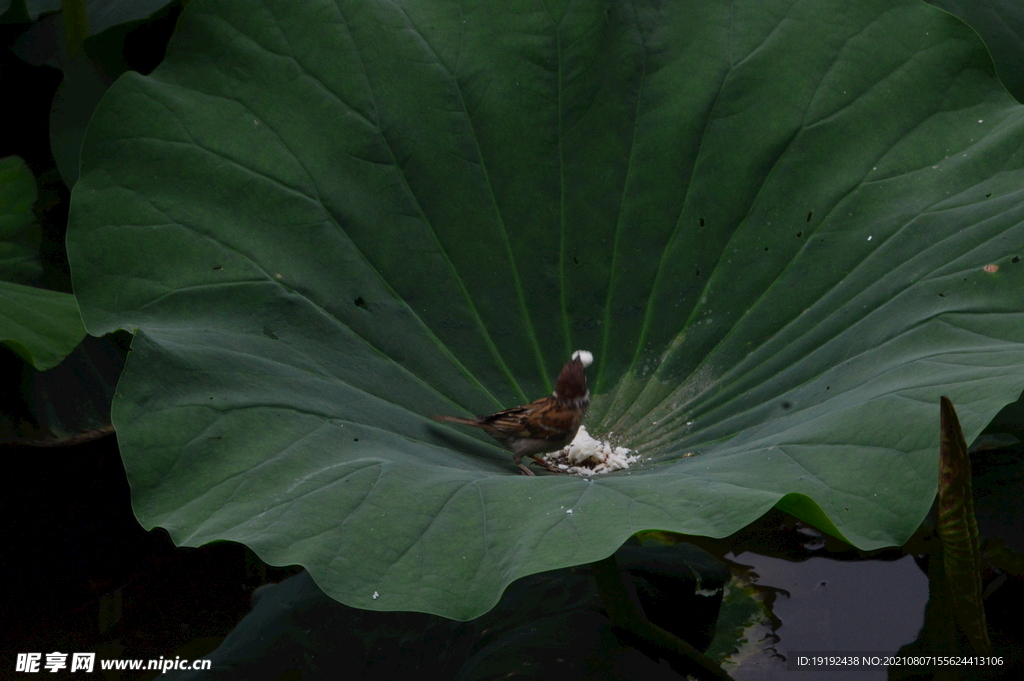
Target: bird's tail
point(457, 419)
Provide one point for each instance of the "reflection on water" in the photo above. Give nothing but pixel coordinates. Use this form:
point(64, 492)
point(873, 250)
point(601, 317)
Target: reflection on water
point(832, 605)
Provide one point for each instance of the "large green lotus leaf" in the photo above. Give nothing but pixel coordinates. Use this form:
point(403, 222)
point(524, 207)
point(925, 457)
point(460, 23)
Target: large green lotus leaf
point(783, 228)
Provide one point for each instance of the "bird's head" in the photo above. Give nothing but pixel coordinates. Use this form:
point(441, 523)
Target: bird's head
point(571, 385)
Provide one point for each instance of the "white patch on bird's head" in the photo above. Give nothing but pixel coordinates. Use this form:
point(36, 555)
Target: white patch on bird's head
point(584, 356)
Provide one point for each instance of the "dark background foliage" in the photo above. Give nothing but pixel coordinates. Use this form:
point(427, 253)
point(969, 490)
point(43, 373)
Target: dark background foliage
point(83, 574)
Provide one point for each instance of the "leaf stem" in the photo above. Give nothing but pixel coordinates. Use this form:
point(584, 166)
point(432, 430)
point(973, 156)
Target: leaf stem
point(76, 24)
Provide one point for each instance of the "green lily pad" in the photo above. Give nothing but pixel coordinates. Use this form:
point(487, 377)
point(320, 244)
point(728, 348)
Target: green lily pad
point(784, 229)
point(19, 233)
point(40, 326)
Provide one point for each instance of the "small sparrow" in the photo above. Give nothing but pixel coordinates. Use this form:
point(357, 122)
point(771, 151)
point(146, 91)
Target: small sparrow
point(543, 426)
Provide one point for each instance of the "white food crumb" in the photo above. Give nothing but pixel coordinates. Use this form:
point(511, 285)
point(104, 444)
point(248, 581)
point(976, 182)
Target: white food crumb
point(586, 456)
point(584, 356)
